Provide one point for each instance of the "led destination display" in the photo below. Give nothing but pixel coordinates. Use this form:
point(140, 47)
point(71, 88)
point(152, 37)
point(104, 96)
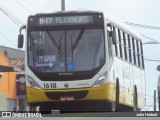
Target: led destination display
point(51, 20)
point(65, 20)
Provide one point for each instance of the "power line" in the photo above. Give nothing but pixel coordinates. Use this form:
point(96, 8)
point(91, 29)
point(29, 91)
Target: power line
point(23, 6)
point(151, 60)
point(11, 16)
point(142, 26)
point(148, 37)
point(32, 5)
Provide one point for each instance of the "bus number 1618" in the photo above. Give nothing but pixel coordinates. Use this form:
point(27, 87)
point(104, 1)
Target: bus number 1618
point(49, 85)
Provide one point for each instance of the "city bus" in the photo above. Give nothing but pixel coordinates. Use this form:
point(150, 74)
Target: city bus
point(82, 61)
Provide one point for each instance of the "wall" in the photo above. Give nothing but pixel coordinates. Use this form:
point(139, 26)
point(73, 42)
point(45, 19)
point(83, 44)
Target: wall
point(7, 80)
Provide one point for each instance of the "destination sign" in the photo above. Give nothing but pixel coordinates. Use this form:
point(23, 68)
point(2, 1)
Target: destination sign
point(65, 20)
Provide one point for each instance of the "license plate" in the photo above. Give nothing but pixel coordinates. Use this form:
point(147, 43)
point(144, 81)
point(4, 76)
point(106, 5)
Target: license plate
point(66, 98)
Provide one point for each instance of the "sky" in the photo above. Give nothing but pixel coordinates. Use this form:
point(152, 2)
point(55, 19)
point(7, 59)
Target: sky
point(146, 12)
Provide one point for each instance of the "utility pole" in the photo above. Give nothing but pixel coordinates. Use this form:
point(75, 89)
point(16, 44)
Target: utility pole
point(63, 5)
point(154, 100)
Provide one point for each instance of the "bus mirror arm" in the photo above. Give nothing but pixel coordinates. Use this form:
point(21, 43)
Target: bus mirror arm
point(21, 28)
point(20, 37)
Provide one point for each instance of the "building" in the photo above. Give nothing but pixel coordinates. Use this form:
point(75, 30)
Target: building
point(7, 86)
point(12, 84)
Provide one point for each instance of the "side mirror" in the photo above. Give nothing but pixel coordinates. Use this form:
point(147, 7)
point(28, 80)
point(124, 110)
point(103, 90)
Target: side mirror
point(112, 32)
point(20, 41)
point(20, 37)
point(158, 68)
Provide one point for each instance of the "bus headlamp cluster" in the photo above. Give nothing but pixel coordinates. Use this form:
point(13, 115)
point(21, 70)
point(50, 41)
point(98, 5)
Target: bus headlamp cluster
point(32, 82)
point(100, 80)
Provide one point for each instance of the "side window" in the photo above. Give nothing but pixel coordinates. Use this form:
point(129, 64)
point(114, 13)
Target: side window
point(129, 48)
point(138, 52)
point(134, 54)
point(142, 59)
point(120, 46)
point(116, 50)
point(125, 45)
point(132, 49)
point(117, 42)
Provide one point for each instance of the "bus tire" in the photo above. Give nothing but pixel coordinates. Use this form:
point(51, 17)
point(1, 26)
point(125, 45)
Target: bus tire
point(117, 95)
point(135, 99)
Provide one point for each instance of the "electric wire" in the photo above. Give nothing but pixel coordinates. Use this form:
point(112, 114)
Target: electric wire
point(5, 13)
point(23, 6)
point(32, 5)
point(148, 37)
point(142, 26)
point(154, 60)
point(12, 17)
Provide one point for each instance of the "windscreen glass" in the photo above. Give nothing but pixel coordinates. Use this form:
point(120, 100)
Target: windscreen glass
point(66, 50)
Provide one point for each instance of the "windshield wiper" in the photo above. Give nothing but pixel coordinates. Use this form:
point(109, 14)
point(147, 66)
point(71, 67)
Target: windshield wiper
point(78, 39)
point(53, 40)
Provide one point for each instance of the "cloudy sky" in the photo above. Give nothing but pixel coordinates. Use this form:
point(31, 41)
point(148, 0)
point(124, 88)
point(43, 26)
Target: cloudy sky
point(146, 12)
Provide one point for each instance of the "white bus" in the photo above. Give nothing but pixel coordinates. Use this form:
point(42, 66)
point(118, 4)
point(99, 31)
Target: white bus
point(82, 61)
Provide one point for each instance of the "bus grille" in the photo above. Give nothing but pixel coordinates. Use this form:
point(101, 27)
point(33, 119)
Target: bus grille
point(75, 94)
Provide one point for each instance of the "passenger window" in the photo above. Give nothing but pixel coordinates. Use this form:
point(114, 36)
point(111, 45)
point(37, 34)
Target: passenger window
point(126, 40)
point(134, 54)
point(124, 45)
point(121, 36)
point(138, 53)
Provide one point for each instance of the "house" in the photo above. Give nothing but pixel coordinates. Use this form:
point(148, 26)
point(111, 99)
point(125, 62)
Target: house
point(7, 86)
point(12, 84)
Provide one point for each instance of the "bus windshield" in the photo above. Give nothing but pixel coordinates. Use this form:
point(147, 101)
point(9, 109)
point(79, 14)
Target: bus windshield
point(66, 50)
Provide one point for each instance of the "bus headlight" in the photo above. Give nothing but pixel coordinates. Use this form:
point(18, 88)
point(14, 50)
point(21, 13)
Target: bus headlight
point(32, 82)
point(100, 80)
